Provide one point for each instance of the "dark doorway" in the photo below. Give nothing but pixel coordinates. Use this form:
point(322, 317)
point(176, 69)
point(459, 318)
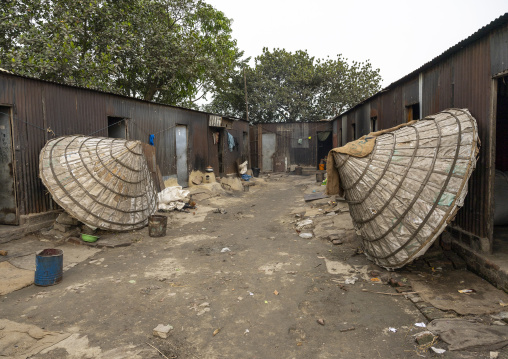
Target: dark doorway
point(117, 127)
point(412, 112)
point(500, 245)
point(324, 145)
point(8, 208)
point(222, 134)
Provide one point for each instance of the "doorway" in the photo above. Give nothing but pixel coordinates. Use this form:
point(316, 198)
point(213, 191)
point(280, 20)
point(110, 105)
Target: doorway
point(324, 145)
point(8, 208)
point(500, 244)
point(182, 173)
point(117, 127)
point(268, 150)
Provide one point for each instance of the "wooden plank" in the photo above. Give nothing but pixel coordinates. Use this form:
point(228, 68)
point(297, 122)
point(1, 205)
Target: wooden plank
point(314, 196)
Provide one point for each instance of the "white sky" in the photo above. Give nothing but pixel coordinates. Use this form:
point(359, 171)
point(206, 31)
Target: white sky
point(396, 36)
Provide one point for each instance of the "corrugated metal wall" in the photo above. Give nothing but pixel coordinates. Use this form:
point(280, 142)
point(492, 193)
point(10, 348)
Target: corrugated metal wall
point(42, 108)
point(462, 80)
point(287, 145)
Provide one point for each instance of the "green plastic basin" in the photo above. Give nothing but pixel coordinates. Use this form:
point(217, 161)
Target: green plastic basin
point(89, 237)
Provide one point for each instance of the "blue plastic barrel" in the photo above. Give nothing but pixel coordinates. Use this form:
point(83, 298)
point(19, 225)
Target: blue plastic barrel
point(48, 267)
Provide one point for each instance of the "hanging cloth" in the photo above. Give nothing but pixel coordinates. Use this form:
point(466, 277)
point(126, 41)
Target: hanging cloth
point(231, 142)
point(151, 139)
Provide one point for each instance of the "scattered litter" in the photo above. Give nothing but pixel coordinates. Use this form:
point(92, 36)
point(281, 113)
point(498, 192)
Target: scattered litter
point(3, 253)
point(321, 321)
point(225, 249)
point(250, 293)
point(393, 330)
point(246, 331)
point(375, 280)
point(306, 235)
point(351, 280)
point(132, 281)
point(467, 291)
point(502, 304)
point(304, 224)
point(162, 331)
point(275, 292)
point(266, 302)
point(437, 350)
point(220, 210)
point(216, 331)
point(242, 168)
point(171, 198)
point(347, 329)
point(494, 355)
point(421, 325)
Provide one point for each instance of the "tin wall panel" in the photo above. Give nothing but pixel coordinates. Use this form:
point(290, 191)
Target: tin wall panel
point(499, 50)
point(288, 134)
point(41, 110)
point(410, 92)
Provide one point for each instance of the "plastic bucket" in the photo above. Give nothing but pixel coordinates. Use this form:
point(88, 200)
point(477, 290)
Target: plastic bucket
point(321, 166)
point(255, 171)
point(48, 267)
point(157, 226)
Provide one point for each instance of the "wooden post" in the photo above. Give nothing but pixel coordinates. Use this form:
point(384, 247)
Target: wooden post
point(246, 101)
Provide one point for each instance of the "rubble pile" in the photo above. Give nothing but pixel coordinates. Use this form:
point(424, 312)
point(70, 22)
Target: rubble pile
point(66, 226)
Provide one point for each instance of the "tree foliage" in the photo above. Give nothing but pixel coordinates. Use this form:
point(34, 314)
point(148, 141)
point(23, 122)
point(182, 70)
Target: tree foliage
point(286, 87)
point(170, 51)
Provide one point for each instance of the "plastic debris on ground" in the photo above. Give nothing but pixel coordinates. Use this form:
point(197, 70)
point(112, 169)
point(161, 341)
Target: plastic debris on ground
point(393, 330)
point(421, 325)
point(466, 291)
point(220, 210)
point(306, 235)
point(246, 177)
point(437, 350)
point(305, 223)
point(351, 280)
point(242, 168)
point(225, 249)
point(171, 198)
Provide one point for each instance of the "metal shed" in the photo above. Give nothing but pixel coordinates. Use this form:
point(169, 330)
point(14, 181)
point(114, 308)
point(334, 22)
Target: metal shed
point(277, 146)
point(32, 111)
point(472, 74)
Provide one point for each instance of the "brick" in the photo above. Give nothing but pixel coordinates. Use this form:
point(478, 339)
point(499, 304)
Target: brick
point(65, 218)
point(64, 228)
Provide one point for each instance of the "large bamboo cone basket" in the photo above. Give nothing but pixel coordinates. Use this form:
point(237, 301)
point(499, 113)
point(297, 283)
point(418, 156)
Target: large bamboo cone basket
point(404, 193)
point(103, 182)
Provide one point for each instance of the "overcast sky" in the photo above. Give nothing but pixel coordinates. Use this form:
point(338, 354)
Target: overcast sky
point(396, 36)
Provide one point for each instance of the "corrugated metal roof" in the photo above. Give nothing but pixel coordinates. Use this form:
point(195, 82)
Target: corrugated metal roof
point(112, 93)
point(484, 31)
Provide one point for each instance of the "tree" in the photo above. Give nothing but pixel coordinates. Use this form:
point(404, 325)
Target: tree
point(171, 51)
point(286, 87)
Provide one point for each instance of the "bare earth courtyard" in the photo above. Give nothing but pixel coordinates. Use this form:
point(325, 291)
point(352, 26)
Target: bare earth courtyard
point(240, 284)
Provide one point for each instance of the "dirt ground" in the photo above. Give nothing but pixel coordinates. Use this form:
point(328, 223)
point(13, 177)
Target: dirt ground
point(242, 284)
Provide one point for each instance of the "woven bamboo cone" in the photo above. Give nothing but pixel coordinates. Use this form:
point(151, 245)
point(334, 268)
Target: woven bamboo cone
point(403, 194)
point(102, 182)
